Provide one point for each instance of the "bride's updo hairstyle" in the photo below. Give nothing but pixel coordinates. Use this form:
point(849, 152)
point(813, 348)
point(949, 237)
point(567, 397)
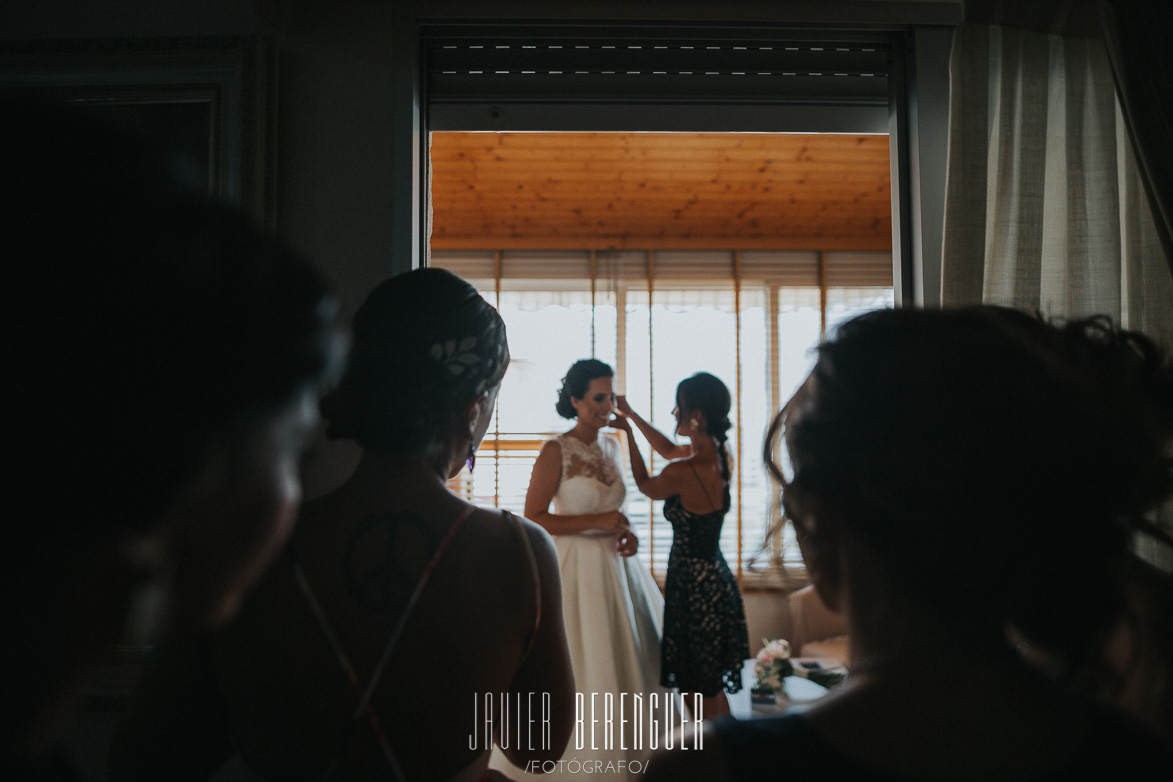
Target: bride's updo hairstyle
point(578, 379)
point(424, 346)
point(706, 394)
point(997, 467)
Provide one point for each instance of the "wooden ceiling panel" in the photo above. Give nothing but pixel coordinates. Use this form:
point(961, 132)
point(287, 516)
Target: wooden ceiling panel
point(511, 191)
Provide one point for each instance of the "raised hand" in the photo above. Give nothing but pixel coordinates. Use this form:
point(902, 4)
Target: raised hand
point(621, 406)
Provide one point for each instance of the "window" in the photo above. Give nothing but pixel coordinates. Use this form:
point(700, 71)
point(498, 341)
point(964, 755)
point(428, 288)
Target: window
point(751, 318)
point(695, 276)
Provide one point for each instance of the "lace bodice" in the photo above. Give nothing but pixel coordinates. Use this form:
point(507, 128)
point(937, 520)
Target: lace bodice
point(592, 476)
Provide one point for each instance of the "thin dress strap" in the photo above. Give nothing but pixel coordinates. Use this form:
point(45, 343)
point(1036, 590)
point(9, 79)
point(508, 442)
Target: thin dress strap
point(533, 568)
point(344, 662)
point(712, 504)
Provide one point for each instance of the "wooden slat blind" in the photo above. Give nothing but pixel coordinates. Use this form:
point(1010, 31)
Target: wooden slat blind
point(769, 317)
point(787, 268)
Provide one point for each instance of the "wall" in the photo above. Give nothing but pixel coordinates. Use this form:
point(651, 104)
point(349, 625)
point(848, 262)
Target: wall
point(930, 115)
point(766, 615)
point(335, 168)
point(45, 19)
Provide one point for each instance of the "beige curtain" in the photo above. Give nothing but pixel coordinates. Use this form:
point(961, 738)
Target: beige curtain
point(1044, 206)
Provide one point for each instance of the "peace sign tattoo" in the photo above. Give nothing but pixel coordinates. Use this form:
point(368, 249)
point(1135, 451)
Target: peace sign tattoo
point(384, 557)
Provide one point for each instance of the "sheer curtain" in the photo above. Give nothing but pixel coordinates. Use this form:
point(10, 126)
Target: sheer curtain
point(1045, 209)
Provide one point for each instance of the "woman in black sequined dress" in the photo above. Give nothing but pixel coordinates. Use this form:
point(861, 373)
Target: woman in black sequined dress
point(705, 641)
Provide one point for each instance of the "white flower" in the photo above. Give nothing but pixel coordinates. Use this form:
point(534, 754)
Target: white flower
point(776, 649)
point(772, 663)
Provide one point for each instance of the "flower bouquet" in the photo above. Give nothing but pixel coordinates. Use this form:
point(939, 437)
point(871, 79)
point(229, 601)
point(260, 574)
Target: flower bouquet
point(771, 666)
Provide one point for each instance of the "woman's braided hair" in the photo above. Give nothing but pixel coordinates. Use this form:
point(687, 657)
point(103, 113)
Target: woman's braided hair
point(706, 393)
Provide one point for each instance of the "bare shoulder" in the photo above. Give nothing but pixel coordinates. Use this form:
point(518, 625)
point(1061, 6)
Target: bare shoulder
point(540, 558)
point(706, 765)
point(541, 542)
point(549, 461)
point(505, 525)
point(676, 470)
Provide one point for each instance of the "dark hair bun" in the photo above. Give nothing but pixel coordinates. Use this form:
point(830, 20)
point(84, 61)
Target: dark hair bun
point(578, 379)
point(425, 344)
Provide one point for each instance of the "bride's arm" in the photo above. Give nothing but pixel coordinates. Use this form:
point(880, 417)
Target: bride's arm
point(543, 484)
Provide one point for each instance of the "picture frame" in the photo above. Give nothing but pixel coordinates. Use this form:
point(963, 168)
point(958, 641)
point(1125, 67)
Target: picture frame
point(210, 100)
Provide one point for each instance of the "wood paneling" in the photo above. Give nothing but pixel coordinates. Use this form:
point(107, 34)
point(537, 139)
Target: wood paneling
point(660, 191)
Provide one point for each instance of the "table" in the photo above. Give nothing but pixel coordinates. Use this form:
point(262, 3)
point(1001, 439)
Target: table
point(800, 695)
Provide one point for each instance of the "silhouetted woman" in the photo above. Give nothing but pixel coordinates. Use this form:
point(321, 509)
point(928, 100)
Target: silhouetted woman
point(165, 360)
point(965, 487)
point(384, 645)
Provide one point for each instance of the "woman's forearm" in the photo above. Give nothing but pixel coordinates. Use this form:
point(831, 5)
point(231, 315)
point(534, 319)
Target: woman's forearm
point(559, 524)
point(639, 470)
point(655, 437)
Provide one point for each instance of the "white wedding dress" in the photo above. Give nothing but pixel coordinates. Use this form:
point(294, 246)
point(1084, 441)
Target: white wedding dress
point(614, 613)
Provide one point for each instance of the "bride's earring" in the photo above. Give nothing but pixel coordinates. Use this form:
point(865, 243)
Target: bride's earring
point(471, 461)
point(693, 425)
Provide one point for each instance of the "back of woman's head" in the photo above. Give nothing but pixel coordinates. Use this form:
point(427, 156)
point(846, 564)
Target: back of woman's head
point(993, 461)
point(424, 346)
point(152, 318)
point(705, 393)
point(578, 378)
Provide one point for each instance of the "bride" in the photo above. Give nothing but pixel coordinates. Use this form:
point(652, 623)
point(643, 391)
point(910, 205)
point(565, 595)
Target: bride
point(612, 606)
